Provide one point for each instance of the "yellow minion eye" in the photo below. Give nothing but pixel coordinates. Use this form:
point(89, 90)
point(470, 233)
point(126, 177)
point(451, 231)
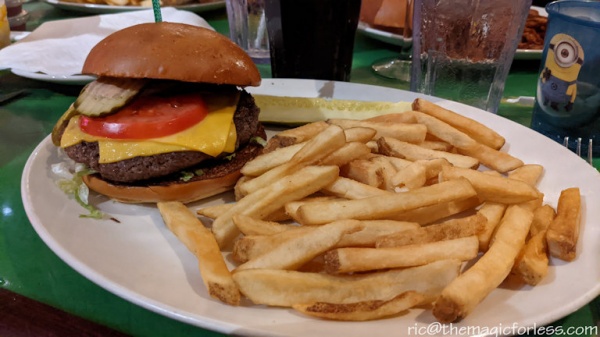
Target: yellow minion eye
point(565, 54)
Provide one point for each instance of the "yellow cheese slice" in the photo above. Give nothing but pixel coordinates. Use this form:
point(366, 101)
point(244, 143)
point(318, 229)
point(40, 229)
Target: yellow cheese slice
point(214, 135)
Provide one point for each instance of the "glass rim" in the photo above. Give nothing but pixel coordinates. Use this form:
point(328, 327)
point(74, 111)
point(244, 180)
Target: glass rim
point(554, 8)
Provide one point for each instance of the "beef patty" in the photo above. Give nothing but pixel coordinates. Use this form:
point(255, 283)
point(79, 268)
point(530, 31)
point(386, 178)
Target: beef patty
point(143, 168)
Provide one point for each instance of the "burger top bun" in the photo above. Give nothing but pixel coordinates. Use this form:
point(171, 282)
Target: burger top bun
point(173, 51)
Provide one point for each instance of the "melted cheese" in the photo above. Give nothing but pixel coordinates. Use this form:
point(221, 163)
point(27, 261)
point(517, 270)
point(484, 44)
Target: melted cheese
point(214, 135)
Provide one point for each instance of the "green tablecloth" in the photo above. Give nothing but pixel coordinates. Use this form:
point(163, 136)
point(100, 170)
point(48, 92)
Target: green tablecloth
point(29, 267)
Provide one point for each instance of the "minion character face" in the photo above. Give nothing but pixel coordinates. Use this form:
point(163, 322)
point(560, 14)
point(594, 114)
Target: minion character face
point(558, 80)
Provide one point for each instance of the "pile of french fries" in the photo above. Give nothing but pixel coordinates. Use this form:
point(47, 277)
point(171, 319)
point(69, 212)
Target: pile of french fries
point(359, 220)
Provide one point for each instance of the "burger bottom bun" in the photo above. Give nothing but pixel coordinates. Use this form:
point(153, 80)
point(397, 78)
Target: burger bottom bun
point(186, 193)
point(218, 179)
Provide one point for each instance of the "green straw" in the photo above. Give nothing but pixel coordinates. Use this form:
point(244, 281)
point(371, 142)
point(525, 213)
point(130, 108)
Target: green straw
point(156, 8)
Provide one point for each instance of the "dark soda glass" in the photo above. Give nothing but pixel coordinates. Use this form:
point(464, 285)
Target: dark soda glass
point(312, 39)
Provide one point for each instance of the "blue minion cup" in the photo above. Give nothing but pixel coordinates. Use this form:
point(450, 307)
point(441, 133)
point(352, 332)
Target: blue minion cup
point(568, 90)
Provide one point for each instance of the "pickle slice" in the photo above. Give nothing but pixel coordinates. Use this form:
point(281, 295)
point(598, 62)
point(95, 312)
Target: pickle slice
point(300, 110)
point(106, 94)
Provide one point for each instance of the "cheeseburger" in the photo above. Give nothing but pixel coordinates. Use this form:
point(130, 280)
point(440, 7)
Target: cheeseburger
point(167, 117)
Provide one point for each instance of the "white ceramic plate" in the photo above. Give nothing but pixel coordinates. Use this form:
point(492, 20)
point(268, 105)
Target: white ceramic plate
point(105, 9)
point(62, 79)
point(399, 40)
point(141, 261)
point(382, 35)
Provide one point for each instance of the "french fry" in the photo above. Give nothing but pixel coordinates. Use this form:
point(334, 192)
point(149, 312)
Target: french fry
point(317, 148)
point(295, 135)
point(362, 311)
point(351, 189)
point(413, 176)
point(444, 131)
point(429, 214)
point(474, 129)
point(269, 160)
point(379, 207)
point(281, 155)
point(286, 288)
point(266, 200)
point(386, 171)
point(201, 242)
point(493, 188)
point(437, 145)
point(251, 226)
point(493, 212)
point(398, 163)
point(363, 171)
point(375, 229)
point(529, 173)
point(396, 148)
point(214, 211)
point(492, 158)
point(488, 156)
point(251, 246)
point(531, 266)
point(563, 232)
point(291, 208)
point(463, 294)
point(359, 134)
point(542, 218)
point(411, 133)
point(447, 230)
point(296, 251)
point(347, 260)
point(347, 153)
point(401, 117)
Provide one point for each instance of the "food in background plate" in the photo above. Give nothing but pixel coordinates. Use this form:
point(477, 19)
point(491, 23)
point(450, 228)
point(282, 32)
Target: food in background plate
point(534, 32)
point(387, 15)
point(166, 118)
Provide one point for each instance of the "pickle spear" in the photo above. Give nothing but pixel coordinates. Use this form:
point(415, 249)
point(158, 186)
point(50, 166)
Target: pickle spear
point(301, 110)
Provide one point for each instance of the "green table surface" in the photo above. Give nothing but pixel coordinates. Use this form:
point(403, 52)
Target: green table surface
point(28, 267)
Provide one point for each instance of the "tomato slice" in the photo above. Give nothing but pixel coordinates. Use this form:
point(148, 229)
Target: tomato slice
point(148, 117)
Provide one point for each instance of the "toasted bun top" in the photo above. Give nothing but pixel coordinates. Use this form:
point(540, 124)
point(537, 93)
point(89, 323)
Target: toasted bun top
point(172, 51)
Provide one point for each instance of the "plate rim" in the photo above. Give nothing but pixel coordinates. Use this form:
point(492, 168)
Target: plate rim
point(57, 79)
point(106, 9)
point(209, 323)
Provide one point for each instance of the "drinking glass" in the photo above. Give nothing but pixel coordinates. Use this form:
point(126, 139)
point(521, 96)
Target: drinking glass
point(247, 27)
point(312, 39)
point(567, 105)
point(463, 49)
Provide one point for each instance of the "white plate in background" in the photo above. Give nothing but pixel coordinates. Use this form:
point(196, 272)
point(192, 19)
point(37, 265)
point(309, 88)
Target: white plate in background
point(382, 35)
point(399, 40)
point(106, 9)
point(58, 79)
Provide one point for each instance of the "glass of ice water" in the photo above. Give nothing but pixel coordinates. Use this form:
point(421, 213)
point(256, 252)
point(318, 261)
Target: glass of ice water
point(463, 49)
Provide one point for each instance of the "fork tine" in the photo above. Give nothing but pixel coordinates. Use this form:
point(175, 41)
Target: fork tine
point(590, 152)
point(578, 145)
